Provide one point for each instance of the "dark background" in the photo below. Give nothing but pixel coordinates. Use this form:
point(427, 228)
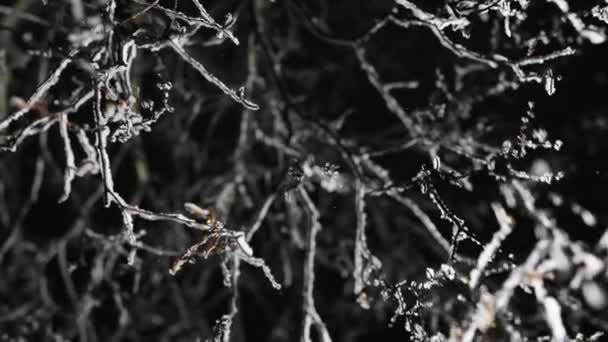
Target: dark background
point(308, 76)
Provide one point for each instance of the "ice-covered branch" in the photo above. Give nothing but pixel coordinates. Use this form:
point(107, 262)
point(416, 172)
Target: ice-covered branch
point(70, 165)
point(238, 97)
point(38, 95)
point(506, 226)
point(311, 316)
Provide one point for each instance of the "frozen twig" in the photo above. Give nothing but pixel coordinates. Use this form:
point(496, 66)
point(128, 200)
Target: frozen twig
point(261, 215)
point(568, 51)
point(70, 165)
point(228, 318)
point(366, 264)
point(311, 316)
point(221, 29)
point(490, 249)
point(89, 165)
point(459, 227)
point(238, 97)
point(206, 20)
point(158, 216)
point(36, 127)
point(391, 103)
point(101, 143)
point(424, 219)
point(593, 34)
point(441, 23)
point(455, 48)
point(517, 276)
point(260, 263)
point(490, 305)
point(552, 310)
point(38, 95)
